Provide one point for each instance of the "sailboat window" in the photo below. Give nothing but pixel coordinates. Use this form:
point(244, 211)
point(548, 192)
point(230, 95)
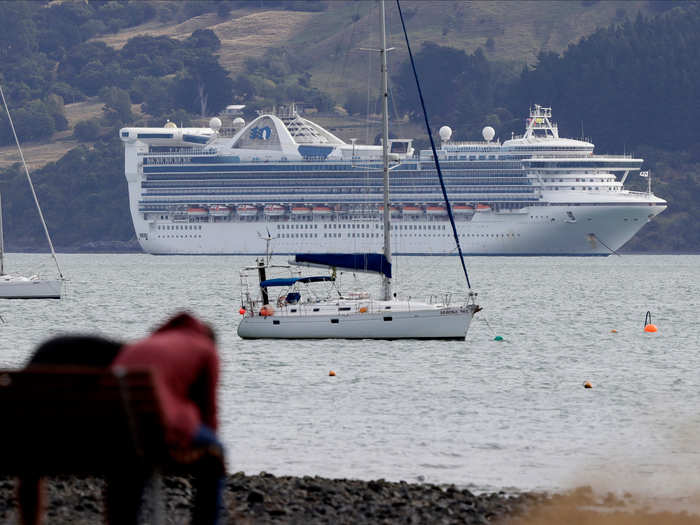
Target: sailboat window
point(388, 318)
point(334, 321)
point(276, 321)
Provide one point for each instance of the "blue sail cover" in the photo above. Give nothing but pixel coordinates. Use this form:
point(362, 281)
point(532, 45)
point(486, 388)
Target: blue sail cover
point(291, 280)
point(361, 262)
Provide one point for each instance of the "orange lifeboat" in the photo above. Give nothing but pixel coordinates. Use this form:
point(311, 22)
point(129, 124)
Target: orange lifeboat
point(275, 210)
point(462, 209)
point(319, 211)
point(483, 207)
point(412, 210)
point(219, 211)
point(301, 210)
point(393, 210)
point(197, 212)
point(435, 210)
point(247, 210)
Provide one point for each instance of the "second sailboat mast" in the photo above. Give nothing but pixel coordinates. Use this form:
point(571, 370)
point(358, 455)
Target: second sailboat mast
point(385, 151)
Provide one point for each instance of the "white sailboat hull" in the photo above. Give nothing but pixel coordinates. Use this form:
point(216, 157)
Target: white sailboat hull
point(417, 324)
point(30, 288)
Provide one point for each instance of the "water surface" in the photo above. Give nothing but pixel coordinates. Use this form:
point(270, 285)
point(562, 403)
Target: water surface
point(479, 413)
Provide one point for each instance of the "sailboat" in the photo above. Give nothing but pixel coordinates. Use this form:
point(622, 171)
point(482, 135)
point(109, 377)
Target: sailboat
point(296, 311)
point(15, 286)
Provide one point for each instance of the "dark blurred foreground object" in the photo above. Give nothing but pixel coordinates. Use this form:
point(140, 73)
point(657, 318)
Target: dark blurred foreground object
point(70, 413)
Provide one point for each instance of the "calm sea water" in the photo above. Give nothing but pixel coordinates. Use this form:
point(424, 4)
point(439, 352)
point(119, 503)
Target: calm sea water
point(478, 413)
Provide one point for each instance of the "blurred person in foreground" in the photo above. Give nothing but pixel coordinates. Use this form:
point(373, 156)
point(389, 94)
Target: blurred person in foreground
point(183, 356)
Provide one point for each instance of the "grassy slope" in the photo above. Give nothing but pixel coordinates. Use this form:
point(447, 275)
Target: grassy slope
point(329, 42)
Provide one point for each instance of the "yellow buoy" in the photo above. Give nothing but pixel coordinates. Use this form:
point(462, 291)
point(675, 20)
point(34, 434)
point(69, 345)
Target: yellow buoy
point(331, 373)
point(650, 328)
point(587, 384)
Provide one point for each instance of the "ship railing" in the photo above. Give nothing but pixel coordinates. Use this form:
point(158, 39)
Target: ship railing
point(446, 298)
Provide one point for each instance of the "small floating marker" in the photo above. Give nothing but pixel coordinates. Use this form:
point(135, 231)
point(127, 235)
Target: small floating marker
point(331, 373)
point(613, 331)
point(498, 338)
point(648, 325)
point(587, 384)
point(241, 311)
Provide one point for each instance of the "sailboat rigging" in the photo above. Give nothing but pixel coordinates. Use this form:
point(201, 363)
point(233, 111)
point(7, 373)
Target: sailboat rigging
point(13, 286)
point(299, 313)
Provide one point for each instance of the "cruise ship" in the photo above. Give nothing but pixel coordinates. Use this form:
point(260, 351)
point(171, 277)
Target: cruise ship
point(225, 189)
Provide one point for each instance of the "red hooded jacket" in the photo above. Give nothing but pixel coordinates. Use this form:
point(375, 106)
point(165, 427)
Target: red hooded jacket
point(182, 354)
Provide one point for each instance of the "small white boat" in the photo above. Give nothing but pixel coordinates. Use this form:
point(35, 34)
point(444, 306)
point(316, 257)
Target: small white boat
point(13, 286)
point(291, 308)
point(19, 287)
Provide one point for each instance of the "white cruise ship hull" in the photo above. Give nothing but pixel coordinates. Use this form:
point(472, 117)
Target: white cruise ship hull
point(421, 324)
point(545, 230)
point(30, 288)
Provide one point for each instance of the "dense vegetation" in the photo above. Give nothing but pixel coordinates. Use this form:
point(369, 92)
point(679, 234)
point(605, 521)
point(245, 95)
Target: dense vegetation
point(630, 87)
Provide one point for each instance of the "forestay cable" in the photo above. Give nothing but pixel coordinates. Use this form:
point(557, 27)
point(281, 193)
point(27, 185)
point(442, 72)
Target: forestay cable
point(432, 145)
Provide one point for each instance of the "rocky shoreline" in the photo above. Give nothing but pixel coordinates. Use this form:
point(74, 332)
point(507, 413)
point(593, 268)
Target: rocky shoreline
point(267, 499)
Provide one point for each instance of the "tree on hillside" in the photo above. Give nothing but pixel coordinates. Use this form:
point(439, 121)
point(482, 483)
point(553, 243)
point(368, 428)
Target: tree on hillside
point(204, 87)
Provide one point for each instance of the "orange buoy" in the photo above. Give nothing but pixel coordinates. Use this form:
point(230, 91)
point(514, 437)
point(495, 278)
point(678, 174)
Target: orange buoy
point(587, 384)
point(331, 373)
point(613, 331)
point(363, 309)
point(650, 328)
point(241, 311)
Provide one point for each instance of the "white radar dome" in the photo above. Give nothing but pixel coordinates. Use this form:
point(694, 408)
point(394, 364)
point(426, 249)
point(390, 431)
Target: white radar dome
point(238, 122)
point(169, 124)
point(445, 133)
point(215, 123)
point(488, 133)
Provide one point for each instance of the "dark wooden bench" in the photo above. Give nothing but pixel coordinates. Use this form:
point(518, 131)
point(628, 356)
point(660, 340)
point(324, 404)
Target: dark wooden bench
point(85, 421)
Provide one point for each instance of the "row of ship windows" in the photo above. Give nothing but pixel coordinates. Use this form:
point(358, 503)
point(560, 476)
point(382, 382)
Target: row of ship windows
point(581, 188)
point(178, 226)
point(359, 226)
point(380, 235)
point(178, 236)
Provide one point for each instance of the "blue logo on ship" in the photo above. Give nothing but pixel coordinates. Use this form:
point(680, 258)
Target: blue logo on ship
point(260, 133)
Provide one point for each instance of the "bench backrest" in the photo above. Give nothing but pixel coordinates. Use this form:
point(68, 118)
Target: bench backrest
point(61, 420)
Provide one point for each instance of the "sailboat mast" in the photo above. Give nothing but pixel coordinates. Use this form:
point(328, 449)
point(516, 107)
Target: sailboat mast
point(31, 186)
point(2, 244)
point(385, 155)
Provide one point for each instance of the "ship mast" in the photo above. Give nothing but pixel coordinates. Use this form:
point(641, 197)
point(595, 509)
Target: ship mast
point(385, 156)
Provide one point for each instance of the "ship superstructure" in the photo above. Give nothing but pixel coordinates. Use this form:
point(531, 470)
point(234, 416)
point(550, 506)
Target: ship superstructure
point(220, 190)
